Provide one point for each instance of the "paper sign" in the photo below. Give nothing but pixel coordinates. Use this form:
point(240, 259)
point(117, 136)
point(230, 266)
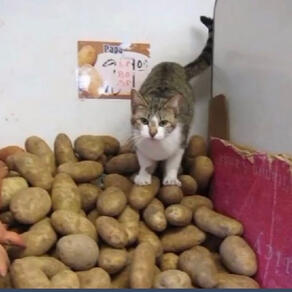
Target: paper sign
point(111, 69)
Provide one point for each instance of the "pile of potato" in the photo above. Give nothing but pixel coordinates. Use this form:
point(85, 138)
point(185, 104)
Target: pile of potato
point(86, 225)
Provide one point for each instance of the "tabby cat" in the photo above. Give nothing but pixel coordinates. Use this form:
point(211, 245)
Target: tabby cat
point(162, 111)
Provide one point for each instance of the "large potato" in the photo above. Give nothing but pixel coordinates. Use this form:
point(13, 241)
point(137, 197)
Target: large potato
point(30, 205)
point(112, 260)
point(40, 148)
point(216, 224)
point(111, 231)
point(111, 145)
point(129, 219)
point(67, 222)
point(87, 55)
point(83, 171)
point(188, 236)
point(122, 279)
point(65, 194)
point(170, 195)
point(238, 256)
point(9, 187)
point(146, 235)
point(123, 164)
point(94, 279)
point(188, 185)
point(89, 194)
point(78, 251)
point(32, 168)
point(119, 181)
point(196, 201)
point(65, 279)
point(142, 266)
point(168, 261)
point(111, 202)
point(178, 215)
point(172, 279)
point(38, 240)
point(154, 216)
point(231, 281)
point(141, 196)
point(198, 263)
point(202, 170)
point(89, 147)
point(196, 146)
point(64, 150)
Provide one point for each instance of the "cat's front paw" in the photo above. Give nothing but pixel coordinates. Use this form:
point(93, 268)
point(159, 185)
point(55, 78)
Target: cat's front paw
point(171, 181)
point(142, 179)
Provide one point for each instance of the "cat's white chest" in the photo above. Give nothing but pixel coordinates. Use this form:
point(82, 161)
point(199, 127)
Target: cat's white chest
point(161, 149)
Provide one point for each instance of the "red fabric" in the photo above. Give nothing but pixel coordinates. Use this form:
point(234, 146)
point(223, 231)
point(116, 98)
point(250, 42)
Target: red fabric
point(257, 191)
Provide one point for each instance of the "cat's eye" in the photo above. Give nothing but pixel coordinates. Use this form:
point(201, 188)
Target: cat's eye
point(144, 121)
point(163, 123)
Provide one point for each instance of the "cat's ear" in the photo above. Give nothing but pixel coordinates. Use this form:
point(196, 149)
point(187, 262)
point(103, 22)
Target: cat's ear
point(137, 100)
point(175, 102)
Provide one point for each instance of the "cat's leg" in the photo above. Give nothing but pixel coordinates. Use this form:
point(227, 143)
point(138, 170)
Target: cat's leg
point(147, 167)
point(172, 165)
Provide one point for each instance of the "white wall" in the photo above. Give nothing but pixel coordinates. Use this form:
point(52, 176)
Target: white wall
point(38, 49)
point(253, 67)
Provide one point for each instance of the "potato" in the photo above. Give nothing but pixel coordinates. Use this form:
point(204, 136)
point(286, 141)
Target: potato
point(92, 216)
point(111, 145)
point(127, 147)
point(202, 170)
point(112, 260)
point(32, 168)
point(9, 150)
point(141, 196)
point(196, 201)
point(87, 55)
point(111, 202)
point(146, 235)
point(89, 147)
point(168, 261)
point(154, 216)
point(78, 251)
point(38, 240)
point(65, 194)
point(218, 263)
point(172, 279)
point(198, 263)
point(122, 279)
point(129, 219)
point(3, 169)
point(89, 194)
point(111, 231)
point(196, 147)
point(65, 279)
point(238, 256)
point(30, 205)
point(189, 236)
point(83, 171)
point(178, 215)
point(64, 150)
point(188, 184)
point(142, 266)
point(217, 224)
point(35, 272)
point(5, 282)
point(94, 279)
point(12, 173)
point(8, 218)
point(67, 222)
point(9, 187)
point(123, 164)
point(119, 181)
point(170, 195)
point(40, 148)
point(226, 281)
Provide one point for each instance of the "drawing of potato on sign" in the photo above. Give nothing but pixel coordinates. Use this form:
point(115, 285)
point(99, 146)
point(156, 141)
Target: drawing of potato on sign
point(111, 69)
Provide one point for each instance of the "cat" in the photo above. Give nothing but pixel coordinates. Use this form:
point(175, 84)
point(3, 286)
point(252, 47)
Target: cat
point(162, 111)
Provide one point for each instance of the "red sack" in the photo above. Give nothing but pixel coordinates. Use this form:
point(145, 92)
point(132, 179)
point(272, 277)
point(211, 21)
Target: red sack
point(256, 189)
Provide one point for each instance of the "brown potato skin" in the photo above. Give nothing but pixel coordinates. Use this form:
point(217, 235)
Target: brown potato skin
point(94, 278)
point(178, 215)
point(238, 256)
point(65, 279)
point(194, 202)
point(122, 279)
point(123, 164)
point(119, 181)
point(168, 261)
point(9, 150)
point(89, 147)
point(189, 185)
point(89, 194)
point(111, 231)
point(63, 149)
point(196, 146)
point(154, 216)
point(216, 224)
point(189, 236)
point(142, 266)
point(172, 279)
point(232, 281)
point(170, 195)
point(111, 145)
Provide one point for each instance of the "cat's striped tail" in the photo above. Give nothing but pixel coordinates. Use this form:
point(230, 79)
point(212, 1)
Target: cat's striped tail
point(204, 60)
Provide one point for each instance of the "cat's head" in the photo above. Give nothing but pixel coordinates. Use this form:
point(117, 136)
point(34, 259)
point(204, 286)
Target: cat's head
point(155, 120)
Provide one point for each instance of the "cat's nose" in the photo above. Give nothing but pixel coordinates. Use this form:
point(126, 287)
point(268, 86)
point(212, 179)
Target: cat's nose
point(152, 132)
